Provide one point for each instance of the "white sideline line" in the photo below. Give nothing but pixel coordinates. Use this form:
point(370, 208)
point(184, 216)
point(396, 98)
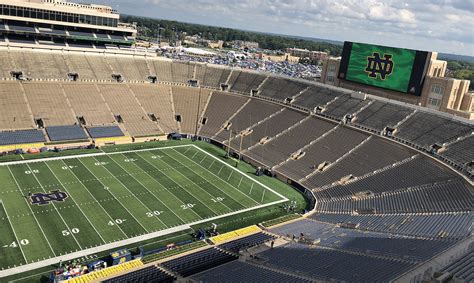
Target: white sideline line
point(87, 155)
point(31, 210)
point(116, 245)
point(13, 229)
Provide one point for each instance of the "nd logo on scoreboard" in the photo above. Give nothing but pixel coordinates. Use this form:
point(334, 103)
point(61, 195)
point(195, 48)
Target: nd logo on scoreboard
point(378, 66)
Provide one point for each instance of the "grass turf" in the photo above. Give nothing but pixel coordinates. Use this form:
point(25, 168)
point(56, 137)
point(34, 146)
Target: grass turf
point(114, 197)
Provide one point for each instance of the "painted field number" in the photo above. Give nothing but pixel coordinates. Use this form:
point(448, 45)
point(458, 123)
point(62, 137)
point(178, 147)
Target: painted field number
point(73, 231)
point(14, 244)
point(154, 213)
point(34, 171)
point(187, 206)
point(217, 199)
point(116, 221)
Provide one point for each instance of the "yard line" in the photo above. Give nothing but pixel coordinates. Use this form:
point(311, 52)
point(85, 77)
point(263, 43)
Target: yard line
point(222, 167)
point(13, 229)
point(230, 175)
point(220, 178)
point(194, 154)
point(144, 159)
point(203, 188)
point(238, 186)
point(87, 218)
point(114, 196)
point(149, 209)
point(251, 187)
point(197, 187)
point(187, 149)
point(263, 195)
point(202, 159)
point(74, 174)
point(211, 163)
point(31, 210)
point(55, 208)
point(146, 188)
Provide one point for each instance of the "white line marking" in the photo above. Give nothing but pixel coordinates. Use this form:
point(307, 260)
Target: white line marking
point(13, 229)
point(86, 155)
point(31, 210)
point(46, 163)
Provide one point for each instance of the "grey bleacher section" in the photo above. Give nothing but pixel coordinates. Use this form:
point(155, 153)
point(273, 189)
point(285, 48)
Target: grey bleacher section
point(246, 242)
point(270, 127)
point(199, 261)
point(462, 268)
point(281, 88)
point(426, 129)
point(211, 76)
point(252, 113)
point(412, 173)
point(373, 154)
point(344, 105)
point(105, 132)
point(370, 243)
point(380, 115)
point(449, 225)
point(21, 137)
point(237, 271)
point(461, 152)
point(327, 149)
point(316, 96)
point(281, 147)
point(182, 72)
point(66, 133)
point(326, 264)
point(147, 274)
point(21, 28)
point(244, 82)
point(220, 108)
point(443, 197)
point(80, 33)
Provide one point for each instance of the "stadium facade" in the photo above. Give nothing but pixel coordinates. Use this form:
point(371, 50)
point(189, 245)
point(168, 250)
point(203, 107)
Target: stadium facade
point(61, 23)
point(438, 92)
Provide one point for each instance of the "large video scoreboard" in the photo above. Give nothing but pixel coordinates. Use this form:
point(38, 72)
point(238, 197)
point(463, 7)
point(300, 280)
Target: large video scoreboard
point(397, 69)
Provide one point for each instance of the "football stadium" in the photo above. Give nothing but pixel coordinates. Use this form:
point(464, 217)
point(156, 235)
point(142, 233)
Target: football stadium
point(119, 165)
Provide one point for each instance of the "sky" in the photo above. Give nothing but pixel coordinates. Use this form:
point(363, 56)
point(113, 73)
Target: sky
point(445, 26)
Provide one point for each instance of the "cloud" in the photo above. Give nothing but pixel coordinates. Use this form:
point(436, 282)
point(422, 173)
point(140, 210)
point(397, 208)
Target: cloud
point(443, 25)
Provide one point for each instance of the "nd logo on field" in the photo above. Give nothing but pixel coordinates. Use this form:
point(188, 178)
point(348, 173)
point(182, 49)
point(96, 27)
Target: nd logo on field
point(47, 198)
point(377, 65)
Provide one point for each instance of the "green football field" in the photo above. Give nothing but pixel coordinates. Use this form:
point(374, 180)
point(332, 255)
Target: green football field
point(66, 207)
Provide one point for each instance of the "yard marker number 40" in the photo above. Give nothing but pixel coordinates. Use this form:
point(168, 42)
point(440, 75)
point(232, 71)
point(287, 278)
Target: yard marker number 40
point(14, 244)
